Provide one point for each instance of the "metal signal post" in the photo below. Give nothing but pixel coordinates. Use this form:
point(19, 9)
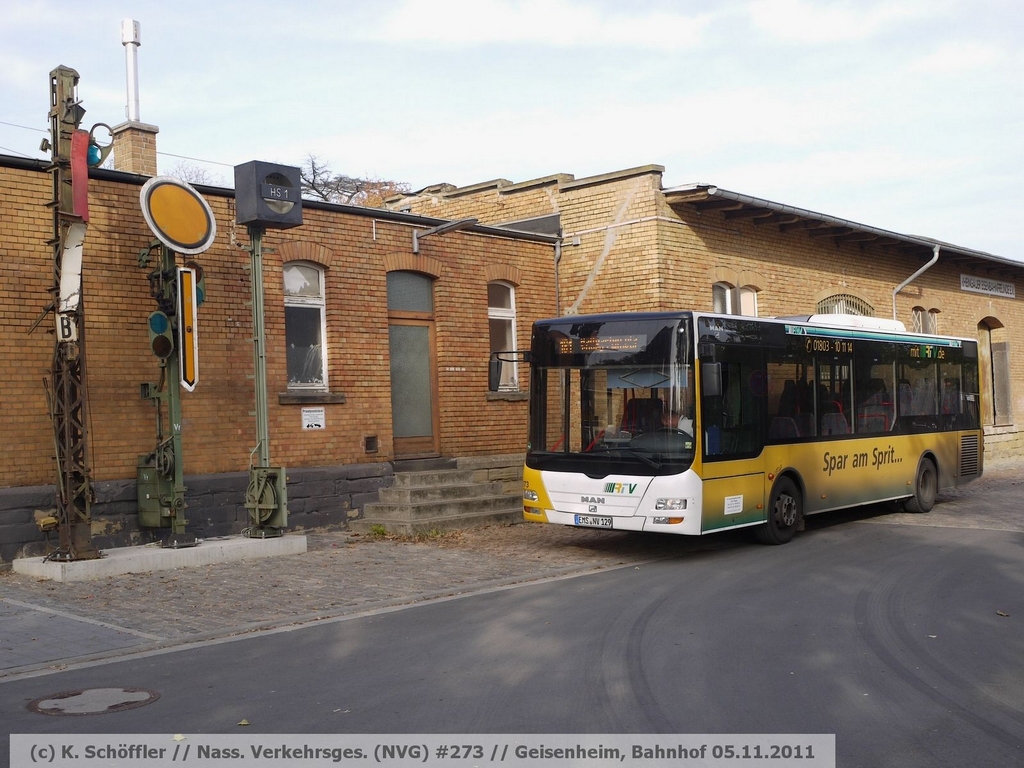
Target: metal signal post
point(266, 497)
point(266, 196)
point(183, 223)
point(66, 388)
point(160, 475)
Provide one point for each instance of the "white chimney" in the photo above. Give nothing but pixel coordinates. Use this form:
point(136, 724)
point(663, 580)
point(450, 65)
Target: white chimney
point(131, 39)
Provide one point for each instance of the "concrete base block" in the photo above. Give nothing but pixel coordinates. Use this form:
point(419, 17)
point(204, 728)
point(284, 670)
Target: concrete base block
point(114, 562)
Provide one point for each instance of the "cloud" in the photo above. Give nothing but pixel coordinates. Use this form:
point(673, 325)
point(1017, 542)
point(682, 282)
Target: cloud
point(614, 134)
point(558, 23)
point(958, 57)
point(871, 167)
point(802, 21)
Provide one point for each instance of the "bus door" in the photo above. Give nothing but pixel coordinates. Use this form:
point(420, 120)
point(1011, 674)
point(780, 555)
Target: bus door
point(732, 416)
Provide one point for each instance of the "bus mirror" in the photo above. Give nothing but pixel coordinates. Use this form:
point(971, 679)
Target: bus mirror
point(711, 379)
point(496, 367)
point(494, 373)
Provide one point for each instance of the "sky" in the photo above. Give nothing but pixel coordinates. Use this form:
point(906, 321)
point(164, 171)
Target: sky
point(906, 115)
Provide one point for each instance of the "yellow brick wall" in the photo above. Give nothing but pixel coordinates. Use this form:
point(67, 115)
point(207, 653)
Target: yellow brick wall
point(26, 276)
point(218, 428)
point(625, 248)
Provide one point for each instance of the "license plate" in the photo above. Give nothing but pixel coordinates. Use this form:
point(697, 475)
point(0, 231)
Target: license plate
point(593, 521)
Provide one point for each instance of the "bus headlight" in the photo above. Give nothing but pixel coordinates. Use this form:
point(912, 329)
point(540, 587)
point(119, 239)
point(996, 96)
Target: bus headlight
point(667, 520)
point(670, 505)
point(530, 495)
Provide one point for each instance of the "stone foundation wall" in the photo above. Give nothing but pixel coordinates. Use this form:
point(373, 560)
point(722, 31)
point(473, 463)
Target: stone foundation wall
point(317, 497)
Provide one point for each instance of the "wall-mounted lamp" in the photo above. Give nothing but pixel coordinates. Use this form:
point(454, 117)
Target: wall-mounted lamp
point(440, 229)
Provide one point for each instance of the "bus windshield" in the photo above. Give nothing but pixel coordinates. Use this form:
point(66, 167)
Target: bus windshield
point(609, 393)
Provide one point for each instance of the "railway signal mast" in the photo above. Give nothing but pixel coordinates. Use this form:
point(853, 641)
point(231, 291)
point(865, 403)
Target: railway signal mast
point(182, 222)
point(72, 152)
point(267, 196)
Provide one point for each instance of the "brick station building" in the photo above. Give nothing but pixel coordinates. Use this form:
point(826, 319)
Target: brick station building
point(549, 246)
point(627, 243)
point(334, 273)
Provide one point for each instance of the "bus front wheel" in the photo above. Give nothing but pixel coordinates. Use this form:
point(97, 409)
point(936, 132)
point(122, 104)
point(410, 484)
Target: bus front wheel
point(784, 512)
point(926, 488)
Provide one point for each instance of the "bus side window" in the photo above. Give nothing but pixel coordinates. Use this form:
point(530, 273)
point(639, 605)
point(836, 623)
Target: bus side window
point(950, 396)
point(950, 399)
point(922, 415)
point(905, 397)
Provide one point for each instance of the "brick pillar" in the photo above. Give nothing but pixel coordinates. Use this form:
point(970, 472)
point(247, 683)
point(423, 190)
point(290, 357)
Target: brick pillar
point(135, 148)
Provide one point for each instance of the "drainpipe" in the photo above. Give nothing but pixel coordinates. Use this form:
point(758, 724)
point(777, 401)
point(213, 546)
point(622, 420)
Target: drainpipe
point(558, 260)
point(913, 277)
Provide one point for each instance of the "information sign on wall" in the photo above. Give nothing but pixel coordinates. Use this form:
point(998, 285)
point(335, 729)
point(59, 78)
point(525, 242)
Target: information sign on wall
point(314, 418)
point(986, 285)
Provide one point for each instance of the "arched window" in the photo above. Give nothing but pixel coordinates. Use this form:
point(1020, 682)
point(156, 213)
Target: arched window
point(729, 300)
point(410, 292)
point(501, 321)
point(925, 321)
point(721, 298)
point(845, 304)
point(305, 325)
point(748, 301)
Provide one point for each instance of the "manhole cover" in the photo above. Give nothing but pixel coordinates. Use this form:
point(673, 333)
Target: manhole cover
point(93, 701)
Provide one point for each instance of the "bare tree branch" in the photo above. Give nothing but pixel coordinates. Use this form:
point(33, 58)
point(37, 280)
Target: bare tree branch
point(318, 183)
point(190, 173)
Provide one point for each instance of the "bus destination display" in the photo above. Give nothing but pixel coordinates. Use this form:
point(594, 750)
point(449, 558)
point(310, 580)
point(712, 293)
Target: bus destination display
point(575, 345)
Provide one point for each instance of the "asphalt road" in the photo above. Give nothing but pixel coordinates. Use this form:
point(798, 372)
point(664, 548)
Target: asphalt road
point(903, 640)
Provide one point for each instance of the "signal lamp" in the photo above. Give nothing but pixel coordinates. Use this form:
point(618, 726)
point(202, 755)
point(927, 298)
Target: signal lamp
point(161, 335)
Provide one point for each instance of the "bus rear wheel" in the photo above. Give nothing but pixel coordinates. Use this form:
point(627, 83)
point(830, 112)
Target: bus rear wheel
point(926, 488)
point(784, 513)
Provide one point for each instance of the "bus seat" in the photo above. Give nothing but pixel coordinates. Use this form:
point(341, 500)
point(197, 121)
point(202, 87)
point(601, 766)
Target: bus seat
point(923, 398)
point(834, 424)
point(804, 424)
point(950, 396)
point(906, 394)
point(873, 418)
point(787, 400)
point(876, 391)
point(782, 428)
point(713, 440)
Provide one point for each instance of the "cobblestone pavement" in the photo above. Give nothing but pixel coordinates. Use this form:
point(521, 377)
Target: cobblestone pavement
point(50, 623)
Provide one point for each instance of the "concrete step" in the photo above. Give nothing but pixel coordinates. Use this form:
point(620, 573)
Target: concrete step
point(433, 477)
point(410, 494)
point(418, 510)
point(433, 497)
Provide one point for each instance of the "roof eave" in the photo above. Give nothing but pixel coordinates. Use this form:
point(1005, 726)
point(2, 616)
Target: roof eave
point(698, 192)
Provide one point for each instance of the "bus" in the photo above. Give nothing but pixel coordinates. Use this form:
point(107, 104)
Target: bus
point(693, 423)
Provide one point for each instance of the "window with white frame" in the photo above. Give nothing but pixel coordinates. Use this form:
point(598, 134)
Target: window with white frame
point(729, 300)
point(925, 321)
point(305, 325)
point(501, 321)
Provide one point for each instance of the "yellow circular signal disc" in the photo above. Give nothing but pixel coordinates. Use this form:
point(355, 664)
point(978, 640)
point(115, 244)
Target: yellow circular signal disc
point(178, 215)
